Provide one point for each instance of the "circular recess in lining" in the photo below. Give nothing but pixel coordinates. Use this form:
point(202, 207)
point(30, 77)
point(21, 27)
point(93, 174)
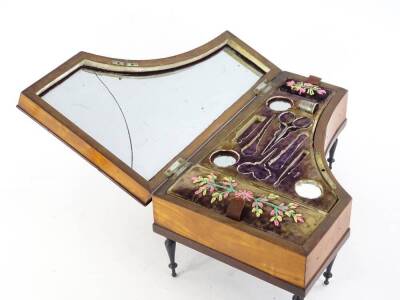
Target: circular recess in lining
point(308, 189)
point(280, 104)
point(224, 158)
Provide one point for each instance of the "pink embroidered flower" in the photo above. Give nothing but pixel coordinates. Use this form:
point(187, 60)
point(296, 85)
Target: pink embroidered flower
point(245, 195)
point(307, 84)
point(321, 92)
point(302, 90)
point(276, 219)
point(290, 83)
point(277, 212)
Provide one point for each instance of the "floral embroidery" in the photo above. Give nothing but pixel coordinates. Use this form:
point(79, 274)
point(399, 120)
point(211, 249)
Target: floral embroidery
point(245, 195)
point(220, 190)
point(304, 88)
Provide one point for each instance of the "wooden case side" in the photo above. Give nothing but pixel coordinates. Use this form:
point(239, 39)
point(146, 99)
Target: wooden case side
point(327, 244)
point(254, 251)
point(82, 147)
point(338, 118)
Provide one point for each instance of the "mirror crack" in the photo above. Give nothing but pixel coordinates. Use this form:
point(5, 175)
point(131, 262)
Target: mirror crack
point(122, 113)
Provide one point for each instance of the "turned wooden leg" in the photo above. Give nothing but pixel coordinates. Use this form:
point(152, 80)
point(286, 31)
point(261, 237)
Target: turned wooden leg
point(171, 246)
point(295, 297)
point(328, 274)
point(331, 157)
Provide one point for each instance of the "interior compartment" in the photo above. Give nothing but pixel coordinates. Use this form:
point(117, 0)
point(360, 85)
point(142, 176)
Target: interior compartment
point(270, 153)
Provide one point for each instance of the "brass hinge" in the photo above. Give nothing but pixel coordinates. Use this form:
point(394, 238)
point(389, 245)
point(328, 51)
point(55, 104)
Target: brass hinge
point(124, 63)
point(262, 87)
point(177, 167)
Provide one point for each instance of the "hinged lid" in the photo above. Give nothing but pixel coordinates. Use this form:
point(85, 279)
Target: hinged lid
point(140, 121)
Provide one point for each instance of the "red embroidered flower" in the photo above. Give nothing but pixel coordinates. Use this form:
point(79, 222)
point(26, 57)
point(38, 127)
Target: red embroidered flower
point(302, 90)
point(245, 195)
point(290, 83)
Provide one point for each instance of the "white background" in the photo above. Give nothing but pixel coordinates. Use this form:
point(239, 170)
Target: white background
point(67, 232)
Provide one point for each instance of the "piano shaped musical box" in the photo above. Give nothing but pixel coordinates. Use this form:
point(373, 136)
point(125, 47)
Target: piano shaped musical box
point(230, 149)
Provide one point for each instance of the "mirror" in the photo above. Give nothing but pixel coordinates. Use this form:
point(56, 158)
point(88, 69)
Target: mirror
point(147, 119)
point(308, 189)
point(280, 104)
point(224, 158)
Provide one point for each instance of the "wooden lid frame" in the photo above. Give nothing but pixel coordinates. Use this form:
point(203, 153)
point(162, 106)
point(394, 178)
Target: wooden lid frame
point(141, 189)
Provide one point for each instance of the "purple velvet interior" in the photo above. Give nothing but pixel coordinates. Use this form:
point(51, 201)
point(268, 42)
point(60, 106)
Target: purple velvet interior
point(273, 149)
